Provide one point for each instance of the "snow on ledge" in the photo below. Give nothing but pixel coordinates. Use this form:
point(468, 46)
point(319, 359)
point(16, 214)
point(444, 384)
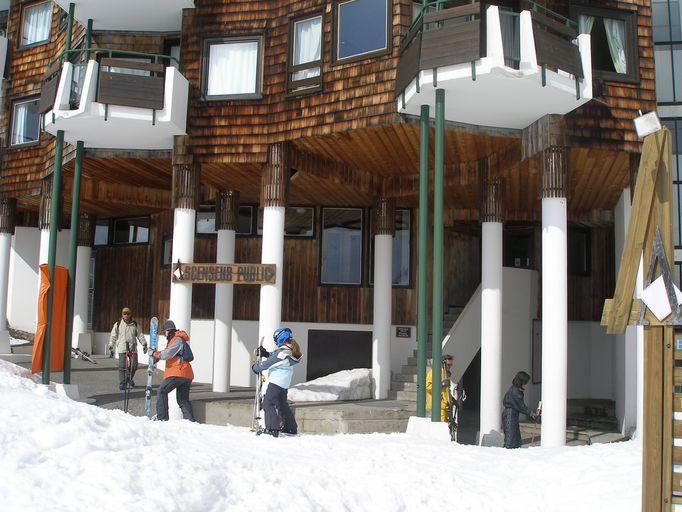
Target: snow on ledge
point(344, 385)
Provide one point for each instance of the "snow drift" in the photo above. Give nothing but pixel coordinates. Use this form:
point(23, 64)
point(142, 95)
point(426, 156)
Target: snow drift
point(344, 385)
point(60, 455)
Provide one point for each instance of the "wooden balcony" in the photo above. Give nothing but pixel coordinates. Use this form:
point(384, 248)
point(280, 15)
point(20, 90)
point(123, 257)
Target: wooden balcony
point(115, 103)
point(498, 68)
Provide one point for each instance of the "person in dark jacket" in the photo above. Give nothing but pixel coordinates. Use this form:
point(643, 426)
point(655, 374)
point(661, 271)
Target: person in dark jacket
point(279, 365)
point(513, 406)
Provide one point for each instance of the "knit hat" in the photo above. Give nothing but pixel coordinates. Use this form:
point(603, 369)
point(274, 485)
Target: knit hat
point(126, 310)
point(169, 325)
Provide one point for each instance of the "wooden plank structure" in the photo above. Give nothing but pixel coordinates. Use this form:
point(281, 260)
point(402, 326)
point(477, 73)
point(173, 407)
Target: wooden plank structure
point(650, 226)
point(212, 273)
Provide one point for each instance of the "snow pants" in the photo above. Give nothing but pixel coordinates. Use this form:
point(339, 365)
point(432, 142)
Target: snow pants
point(278, 415)
point(182, 385)
point(122, 366)
point(512, 432)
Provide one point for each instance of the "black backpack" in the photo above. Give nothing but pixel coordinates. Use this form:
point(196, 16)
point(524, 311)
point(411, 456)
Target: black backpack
point(186, 353)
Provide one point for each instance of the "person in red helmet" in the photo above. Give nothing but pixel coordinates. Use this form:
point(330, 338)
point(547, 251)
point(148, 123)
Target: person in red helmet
point(178, 373)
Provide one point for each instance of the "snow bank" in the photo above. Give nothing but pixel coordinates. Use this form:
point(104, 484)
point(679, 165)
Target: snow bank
point(344, 385)
point(60, 455)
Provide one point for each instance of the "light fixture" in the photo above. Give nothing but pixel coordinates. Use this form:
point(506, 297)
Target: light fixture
point(647, 124)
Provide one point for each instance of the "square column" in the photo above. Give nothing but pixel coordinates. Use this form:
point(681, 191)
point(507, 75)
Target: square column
point(8, 209)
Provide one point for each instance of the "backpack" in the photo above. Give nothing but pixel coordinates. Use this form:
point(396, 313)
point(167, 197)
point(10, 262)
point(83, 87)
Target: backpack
point(186, 353)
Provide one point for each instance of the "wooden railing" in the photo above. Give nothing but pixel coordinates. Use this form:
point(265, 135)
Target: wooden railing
point(554, 45)
point(48, 91)
point(127, 90)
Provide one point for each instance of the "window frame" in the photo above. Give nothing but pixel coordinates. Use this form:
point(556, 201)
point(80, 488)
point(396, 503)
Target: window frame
point(165, 239)
point(292, 89)
point(101, 222)
point(629, 18)
point(24, 7)
point(361, 56)
point(205, 62)
point(363, 248)
point(259, 213)
point(112, 231)
point(13, 103)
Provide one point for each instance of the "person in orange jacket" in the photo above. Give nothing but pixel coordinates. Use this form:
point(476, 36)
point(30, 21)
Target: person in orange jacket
point(178, 374)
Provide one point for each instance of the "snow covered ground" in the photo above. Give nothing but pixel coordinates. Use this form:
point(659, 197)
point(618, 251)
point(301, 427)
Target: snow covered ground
point(344, 385)
point(59, 455)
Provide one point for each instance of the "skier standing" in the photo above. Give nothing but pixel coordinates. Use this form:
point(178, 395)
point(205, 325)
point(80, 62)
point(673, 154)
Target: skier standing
point(513, 406)
point(280, 367)
point(444, 386)
point(178, 373)
point(123, 339)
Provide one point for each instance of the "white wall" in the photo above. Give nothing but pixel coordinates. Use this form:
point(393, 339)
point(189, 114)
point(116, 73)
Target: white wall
point(245, 340)
point(22, 301)
point(591, 361)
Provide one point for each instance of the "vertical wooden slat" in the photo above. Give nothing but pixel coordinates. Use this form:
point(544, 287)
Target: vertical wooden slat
point(652, 478)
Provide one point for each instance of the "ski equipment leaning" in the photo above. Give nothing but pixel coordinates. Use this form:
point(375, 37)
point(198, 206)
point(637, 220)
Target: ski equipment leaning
point(153, 340)
point(257, 423)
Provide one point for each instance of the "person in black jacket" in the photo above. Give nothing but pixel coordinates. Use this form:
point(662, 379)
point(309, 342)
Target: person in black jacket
point(513, 405)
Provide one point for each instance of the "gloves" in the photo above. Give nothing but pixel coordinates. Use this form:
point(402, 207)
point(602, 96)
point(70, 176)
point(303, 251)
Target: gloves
point(111, 351)
point(253, 369)
point(144, 349)
point(445, 383)
point(261, 352)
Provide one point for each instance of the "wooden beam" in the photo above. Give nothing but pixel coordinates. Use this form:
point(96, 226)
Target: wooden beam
point(544, 133)
point(109, 193)
point(652, 477)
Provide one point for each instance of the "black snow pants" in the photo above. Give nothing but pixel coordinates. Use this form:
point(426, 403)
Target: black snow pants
point(278, 415)
point(182, 385)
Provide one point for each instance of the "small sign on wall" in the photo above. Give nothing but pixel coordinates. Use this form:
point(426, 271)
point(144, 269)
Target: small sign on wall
point(403, 332)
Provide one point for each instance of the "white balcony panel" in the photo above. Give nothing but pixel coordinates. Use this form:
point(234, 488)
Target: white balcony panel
point(501, 96)
point(124, 127)
point(133, 15)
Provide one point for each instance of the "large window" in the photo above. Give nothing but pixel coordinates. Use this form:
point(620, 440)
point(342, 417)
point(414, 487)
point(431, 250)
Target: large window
point(341, 246)
point(232, 68)
point(613, 42)
point(206, 221)
point(299, 221)
point(131, 231)
point(25, 122)
point(362, 28)
point(667, 50)
point(35, 23)
point(675, 127)
point(306, 55)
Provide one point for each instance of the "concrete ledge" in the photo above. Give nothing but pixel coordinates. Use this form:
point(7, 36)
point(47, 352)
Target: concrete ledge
point(5, 346)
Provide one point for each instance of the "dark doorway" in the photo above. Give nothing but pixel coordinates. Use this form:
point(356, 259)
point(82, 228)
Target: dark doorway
point(333, 351)
point(518, 248)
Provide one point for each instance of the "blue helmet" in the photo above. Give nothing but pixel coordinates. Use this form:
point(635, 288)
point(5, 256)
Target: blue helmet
point(281, 335)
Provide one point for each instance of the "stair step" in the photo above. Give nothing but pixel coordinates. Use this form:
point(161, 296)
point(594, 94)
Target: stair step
point(409, 369)
point(413, 360)
point(407, 396)
point(405, 378)
point(403, 386)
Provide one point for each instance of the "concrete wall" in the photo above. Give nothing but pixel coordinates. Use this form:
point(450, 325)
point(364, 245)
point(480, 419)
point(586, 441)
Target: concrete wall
point(22, 301)
point(245, 340)
point(591, 356)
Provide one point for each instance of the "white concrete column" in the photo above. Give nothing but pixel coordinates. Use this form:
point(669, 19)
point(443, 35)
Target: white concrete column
point(183, 250)
point(491, 327)
point(5, 249)
point(270, 312)
point(227, 215)
point(553, 187)
point(80, 298)
point(44, 246)
point(381, 329)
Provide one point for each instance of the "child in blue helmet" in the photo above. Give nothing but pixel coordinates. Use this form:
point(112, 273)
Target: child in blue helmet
point(280, 367)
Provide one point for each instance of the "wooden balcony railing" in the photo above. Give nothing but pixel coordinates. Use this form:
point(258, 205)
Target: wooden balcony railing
point(554, 46)
point(48, 91)
point(130, 90)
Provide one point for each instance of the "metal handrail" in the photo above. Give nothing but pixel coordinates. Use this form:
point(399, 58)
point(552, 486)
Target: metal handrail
point(110, 52)
point(563, 19)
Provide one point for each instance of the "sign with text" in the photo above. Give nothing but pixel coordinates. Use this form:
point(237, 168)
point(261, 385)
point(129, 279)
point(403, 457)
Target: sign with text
point(235, 273)
point(403, 332)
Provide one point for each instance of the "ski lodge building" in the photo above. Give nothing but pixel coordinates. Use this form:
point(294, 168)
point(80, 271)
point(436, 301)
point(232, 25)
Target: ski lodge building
point(292, 132)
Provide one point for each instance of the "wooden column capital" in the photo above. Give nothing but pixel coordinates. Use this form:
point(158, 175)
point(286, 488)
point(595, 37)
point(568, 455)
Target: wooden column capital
point(45, 204)
point(227, 210)
point(275, 178)
point(383, 216)
point(491, 190)
point(554, 172)
point(86, 229)
point(186, 178)
point(8, 215)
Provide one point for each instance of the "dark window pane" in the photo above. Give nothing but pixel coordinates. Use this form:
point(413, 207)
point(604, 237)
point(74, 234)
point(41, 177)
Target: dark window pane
point(25, 122)
point(341, 245)
point(245, 222)
point(131, 231)
point(608, 38)
point(579, 251)
point(298, 221)
point(660, 20)
point(401, 248)
point(361, 27)
point(664, 73)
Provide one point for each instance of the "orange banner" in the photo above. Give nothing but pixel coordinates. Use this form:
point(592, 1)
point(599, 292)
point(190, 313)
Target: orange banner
point(58, 320)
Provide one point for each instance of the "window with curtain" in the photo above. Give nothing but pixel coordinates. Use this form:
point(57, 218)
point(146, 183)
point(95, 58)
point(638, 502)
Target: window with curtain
point(341, 246)
point(35, 23)
point(232, 68)
point(613, 42)
point(25, 122)
point(361, 28)
point(306, 53)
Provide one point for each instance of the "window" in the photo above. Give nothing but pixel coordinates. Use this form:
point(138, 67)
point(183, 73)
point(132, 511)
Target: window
point(675, 127)
point(666, 20)
point(35, 23)
point(131, 231)
point(102, 232)
point(613, 41)
point(298, 221)
point(25, 122)
point(518, 247)
point(232, 68)
point(361, 28)
point(579, 252)
point(167, 251)
point(206, 221)
point(341, 246)
point(400, 258)
point(306, 55)
point(667, 50)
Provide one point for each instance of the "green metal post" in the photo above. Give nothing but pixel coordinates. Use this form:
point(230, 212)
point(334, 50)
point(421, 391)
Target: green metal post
point(422, 315)
point(437, 306)
point(88, 40)
point(69, 27)
point(73, 252)
point(52, 249)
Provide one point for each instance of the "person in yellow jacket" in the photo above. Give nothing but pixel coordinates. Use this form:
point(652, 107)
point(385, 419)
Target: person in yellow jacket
point(444, 386)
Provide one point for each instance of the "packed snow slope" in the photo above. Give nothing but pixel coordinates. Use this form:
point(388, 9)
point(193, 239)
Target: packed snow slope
point(59, 455)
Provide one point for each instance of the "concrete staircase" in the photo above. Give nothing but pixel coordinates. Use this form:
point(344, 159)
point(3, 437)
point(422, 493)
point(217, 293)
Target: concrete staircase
point(404, 384)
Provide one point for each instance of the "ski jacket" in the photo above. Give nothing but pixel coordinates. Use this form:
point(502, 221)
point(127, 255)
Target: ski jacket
point(514, 405)
point(171, 354)
point(126, 335)
point(279, 365)
point(444, 390)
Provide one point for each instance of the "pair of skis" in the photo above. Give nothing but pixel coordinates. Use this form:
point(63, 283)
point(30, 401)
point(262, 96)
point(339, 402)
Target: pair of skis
point(153, 340)
point(257, 425)
point(454, 404)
